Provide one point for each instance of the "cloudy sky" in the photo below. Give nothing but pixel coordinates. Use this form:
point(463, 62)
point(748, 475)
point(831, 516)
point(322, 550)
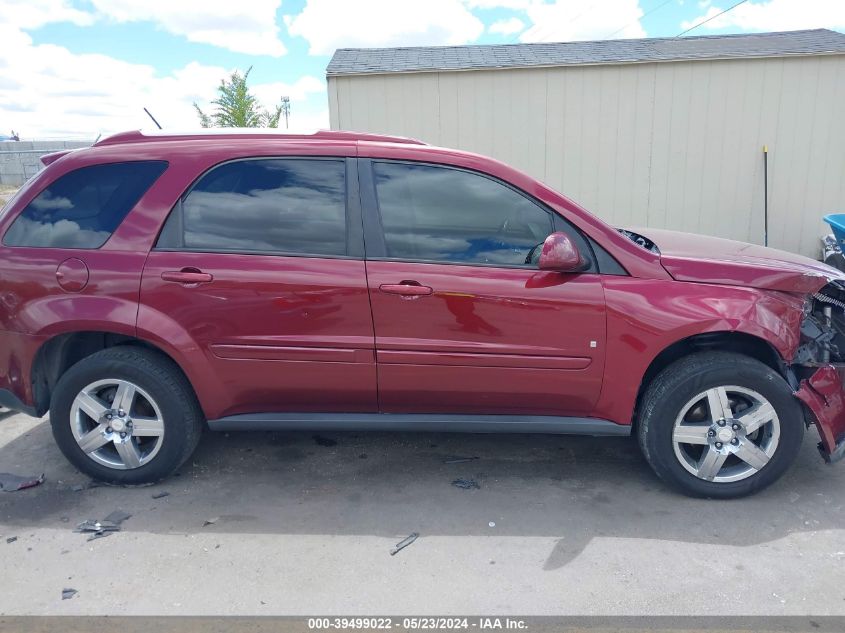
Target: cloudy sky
point(79, 68)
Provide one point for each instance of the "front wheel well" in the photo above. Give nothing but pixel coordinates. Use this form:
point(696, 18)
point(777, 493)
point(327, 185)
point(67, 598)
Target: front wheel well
point(63, 351)
point(736, 342)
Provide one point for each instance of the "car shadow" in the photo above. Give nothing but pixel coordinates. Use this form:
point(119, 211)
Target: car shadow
point(568, 488)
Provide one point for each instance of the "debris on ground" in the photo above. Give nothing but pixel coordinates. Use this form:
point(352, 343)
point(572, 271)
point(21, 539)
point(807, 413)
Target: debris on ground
point(10, 482)
point(466, 484)
point(459, 460)
point(118, 516)
point(492, 524)
point(324, 441)
point(211, 521)
point(11, 539)
point(85, 486)
point(97, 529)
point(67, 594)
point(104, 527)
point(161, 495)
point(404, 543)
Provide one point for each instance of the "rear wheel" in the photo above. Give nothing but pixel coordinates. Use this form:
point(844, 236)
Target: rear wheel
point(718, 424)
point(125, 415)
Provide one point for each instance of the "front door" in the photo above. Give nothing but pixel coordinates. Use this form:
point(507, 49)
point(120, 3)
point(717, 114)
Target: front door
point(465, 322)
point(260, 268)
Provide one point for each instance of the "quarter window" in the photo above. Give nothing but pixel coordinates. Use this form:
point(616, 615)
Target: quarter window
point(441, 214)
point(288, 206)
point(84, 207)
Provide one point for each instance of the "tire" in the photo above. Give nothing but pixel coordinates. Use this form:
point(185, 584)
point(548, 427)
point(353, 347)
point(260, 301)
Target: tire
point(672, 411)
point(157, 432)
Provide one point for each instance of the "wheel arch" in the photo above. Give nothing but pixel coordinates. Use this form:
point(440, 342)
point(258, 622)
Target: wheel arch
point(725, 341)
point(60, 352)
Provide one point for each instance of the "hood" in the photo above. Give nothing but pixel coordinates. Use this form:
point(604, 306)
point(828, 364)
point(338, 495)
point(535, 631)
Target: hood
point(705, 259)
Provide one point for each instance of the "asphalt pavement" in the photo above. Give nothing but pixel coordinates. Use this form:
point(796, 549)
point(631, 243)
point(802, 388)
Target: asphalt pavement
point(303, 523)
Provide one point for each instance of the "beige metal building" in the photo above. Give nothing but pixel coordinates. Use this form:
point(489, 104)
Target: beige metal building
point(657, 132)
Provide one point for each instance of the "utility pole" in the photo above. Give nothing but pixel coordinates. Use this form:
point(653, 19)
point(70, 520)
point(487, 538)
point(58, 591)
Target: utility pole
point(286, 109)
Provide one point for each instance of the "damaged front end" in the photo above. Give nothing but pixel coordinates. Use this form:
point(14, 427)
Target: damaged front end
point(819, 367)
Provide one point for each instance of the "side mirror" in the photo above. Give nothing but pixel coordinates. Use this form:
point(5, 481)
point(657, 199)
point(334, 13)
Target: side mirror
point(560, 253)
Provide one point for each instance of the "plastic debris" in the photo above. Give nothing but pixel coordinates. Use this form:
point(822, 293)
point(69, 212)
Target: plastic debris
point(67, 594)
point(118, 516)
point(103, 527)
point(10, 482)
point(11, 539)
point(492, 524)
point(459, 460)
point(832, 252)
point(324, 441)
point(211, 521)
point(466, 484)
point(161, 495)
point(404, 543)
point(85, 486)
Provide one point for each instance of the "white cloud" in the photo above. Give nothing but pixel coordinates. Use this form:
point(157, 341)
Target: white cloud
point(47, 91)
point(328, 25)
point(775, 15)
point(271, 93)
point(507, 27)
point(304, 116)
point(497, 4)
point(32, 14)
point(243, 27)
point(567, 20)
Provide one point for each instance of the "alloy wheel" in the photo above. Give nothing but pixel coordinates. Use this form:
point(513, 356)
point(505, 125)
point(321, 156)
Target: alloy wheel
point(726, 434)
point(117, 424)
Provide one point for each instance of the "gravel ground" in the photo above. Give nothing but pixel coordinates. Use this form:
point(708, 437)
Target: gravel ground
point(6, 193)
point(263, 523)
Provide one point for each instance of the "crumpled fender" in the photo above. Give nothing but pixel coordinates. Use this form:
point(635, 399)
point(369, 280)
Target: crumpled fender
point(824, 395)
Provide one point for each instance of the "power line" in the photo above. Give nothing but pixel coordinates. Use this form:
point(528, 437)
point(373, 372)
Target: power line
point(712, 18)
point(644, 15)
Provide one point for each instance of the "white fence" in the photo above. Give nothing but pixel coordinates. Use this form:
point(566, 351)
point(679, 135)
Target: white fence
point(19, 160)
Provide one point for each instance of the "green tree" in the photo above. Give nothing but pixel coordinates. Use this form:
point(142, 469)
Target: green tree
point(236, 107)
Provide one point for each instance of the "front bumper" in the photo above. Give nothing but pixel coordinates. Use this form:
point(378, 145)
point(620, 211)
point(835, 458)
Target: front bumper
point(824, 395)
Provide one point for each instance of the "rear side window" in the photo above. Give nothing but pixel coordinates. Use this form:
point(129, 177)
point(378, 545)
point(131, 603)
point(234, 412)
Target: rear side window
point(84, 207)
point(279, 206)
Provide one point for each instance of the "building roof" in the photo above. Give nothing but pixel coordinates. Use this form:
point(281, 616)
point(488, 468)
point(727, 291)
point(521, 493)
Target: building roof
point(355, 61)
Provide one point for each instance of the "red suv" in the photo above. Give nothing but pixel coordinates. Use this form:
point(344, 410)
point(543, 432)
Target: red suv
point(152, 284)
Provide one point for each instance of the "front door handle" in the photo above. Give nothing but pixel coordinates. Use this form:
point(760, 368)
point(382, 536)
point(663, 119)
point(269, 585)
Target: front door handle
point(407, 289)
point(187, 276)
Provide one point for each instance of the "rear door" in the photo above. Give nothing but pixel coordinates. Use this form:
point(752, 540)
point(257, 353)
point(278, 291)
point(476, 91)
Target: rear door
point(260, 266)
point(464, 320)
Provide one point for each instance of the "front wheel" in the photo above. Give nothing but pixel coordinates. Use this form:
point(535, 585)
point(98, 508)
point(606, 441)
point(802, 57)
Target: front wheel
point(718, 424)
point(125, 415)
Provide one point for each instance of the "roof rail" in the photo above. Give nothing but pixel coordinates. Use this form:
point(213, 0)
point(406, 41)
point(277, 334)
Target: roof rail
point(137, 136)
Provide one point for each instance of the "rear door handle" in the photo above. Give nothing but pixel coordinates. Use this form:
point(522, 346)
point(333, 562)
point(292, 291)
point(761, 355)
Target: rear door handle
point(407, 289)
point(187, 276)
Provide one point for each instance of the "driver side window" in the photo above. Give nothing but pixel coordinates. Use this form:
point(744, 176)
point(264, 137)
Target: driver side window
point(440, 214)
